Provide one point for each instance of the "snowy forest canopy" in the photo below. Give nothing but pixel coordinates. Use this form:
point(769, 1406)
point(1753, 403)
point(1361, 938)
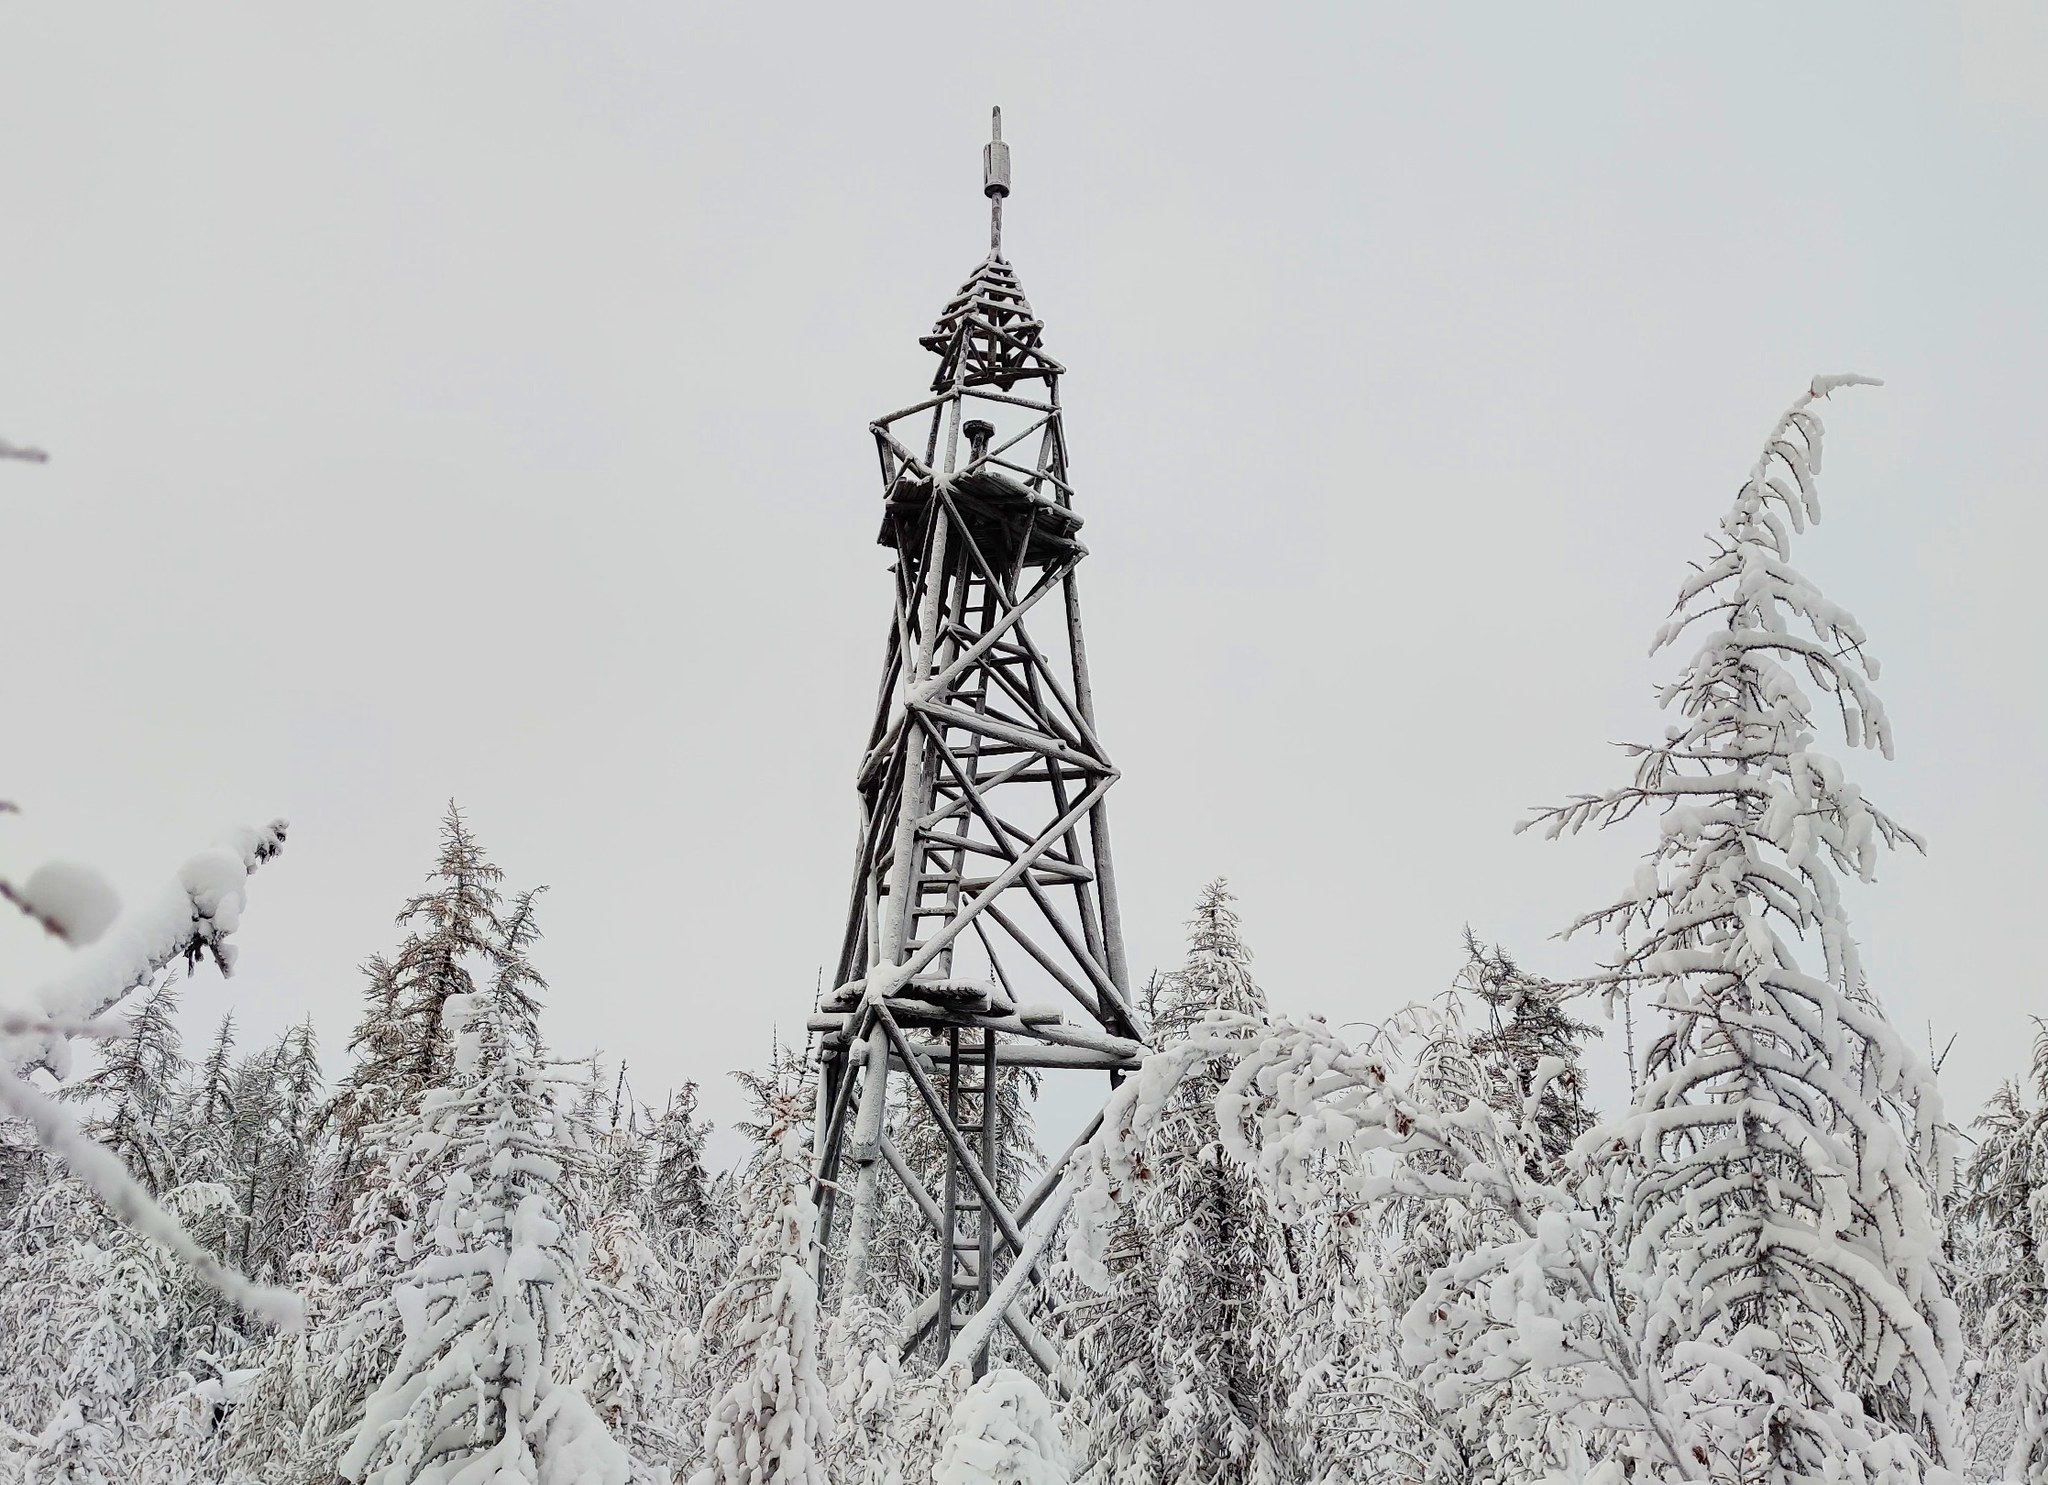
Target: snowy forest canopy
point(442, 1253)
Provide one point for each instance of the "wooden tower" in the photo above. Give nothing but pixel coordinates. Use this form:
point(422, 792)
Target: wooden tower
point(982, 931)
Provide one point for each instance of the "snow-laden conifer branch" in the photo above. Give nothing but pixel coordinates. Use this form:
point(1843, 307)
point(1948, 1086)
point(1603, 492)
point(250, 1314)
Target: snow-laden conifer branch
point(772, 1423)
point(190, 919)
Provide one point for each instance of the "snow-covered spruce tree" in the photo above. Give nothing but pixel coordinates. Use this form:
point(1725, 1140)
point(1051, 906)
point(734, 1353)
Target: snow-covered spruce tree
point(676, 1197)
point(1772, 1180)
point(1116, 1404)
point(368, 1095)
point(678, 1210)
point(206, 1109)
point(1219, 1251)
point(1524, 1027)
point(266, 1154)
point(107, 1323)
point(2001, 1238)
point(630, 1347)
point(378, 1192)
point(1216, 975)
point(355, 1331)
point(1378, 1406)
point(1178, 1355)
point(772, 1422)
point(135, 1087)
point(515, 984)
point(620, 1152)
point(82, 1318)
point(282, 1211)
point(1340, 1335)
point(866, 1394)
point(255, 1136)
point(924, 1421)
point(453, 932)
point(475, 1394)
point(1003, 1433)
point(401, 1047)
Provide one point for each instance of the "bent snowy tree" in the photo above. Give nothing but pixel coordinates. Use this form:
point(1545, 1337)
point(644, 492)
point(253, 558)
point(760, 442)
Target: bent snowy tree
point(1775, 1179)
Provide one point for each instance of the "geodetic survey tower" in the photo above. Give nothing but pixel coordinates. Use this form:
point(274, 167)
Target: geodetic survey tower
point(982, 932)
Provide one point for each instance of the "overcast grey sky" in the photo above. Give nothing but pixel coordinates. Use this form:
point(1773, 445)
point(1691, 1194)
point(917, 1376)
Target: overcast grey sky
point(470, 399)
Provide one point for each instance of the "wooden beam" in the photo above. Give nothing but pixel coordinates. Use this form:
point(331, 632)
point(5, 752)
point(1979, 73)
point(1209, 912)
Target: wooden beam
point(1032, 1054)
point(963, 1153)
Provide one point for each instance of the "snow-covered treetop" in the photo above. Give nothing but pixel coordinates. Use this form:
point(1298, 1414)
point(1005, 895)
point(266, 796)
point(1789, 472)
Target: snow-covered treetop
point(1216, 975)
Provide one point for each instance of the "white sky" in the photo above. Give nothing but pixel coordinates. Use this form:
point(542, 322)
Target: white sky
point(471, 400)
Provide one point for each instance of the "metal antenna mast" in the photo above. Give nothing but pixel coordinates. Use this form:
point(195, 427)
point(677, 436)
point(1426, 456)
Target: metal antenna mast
point(982, 933)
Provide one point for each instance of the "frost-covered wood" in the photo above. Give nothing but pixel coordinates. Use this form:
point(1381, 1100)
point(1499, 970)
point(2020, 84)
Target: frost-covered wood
point(984, 870)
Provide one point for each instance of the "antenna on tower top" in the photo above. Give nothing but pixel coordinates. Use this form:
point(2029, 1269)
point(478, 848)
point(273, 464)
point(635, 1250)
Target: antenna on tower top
point(995, 180)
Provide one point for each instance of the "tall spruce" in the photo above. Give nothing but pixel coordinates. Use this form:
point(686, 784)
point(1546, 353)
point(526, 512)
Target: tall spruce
point(1777, 1175)
point(1214, 1253)
point(453, 933)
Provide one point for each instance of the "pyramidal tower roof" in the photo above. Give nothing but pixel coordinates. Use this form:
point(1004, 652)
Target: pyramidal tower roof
point(987, 334)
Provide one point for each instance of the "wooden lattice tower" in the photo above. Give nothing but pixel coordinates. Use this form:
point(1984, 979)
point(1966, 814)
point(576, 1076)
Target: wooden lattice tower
point(983, 931)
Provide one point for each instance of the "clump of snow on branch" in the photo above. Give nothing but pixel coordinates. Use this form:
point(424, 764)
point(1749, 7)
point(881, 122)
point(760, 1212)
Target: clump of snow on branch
point(71, 902)
point(190, 919)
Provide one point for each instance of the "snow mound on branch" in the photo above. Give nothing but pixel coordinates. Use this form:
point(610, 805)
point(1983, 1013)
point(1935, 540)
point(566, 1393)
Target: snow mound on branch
point(74, 902)
point(1003, 1433)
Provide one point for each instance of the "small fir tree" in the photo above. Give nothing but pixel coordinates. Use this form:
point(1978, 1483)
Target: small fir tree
point(475, 1394)
point(772, 1422)
point(866, 1395)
